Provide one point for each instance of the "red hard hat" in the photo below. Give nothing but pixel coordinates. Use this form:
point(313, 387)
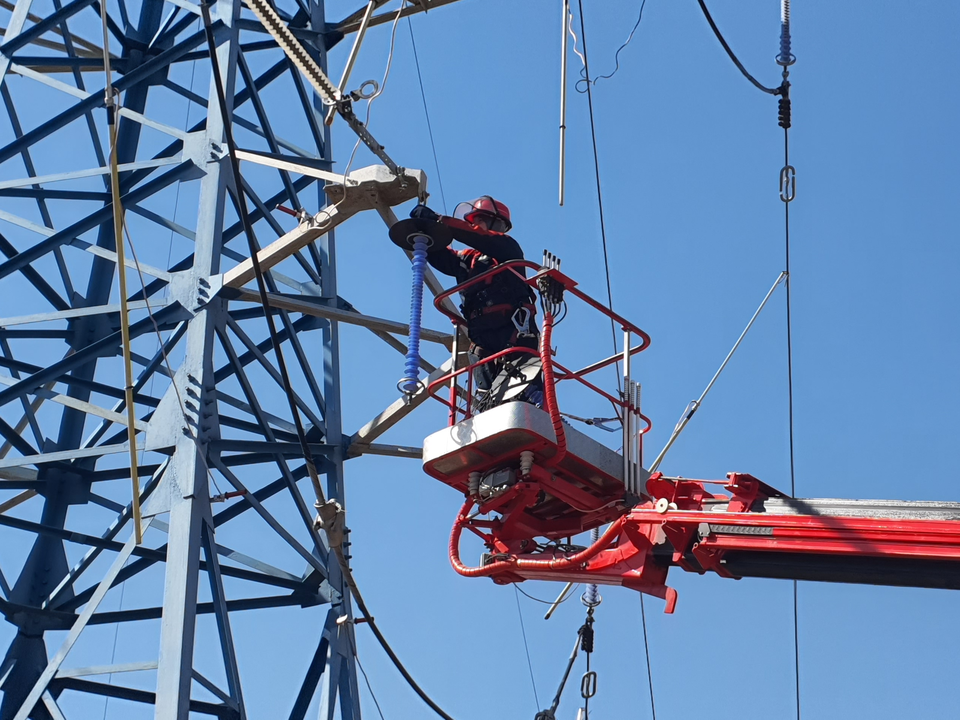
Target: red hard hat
point(486, 206)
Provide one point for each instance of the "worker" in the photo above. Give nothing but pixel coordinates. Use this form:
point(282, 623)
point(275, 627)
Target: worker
point(500, 312)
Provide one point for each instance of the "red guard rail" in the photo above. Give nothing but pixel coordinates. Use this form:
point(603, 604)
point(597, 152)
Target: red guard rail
point(559, 371)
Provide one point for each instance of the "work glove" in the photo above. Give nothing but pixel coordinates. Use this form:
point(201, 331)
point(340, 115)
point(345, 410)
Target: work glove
point(422, 212)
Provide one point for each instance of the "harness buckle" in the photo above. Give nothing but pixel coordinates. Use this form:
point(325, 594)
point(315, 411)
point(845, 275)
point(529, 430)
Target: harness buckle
point(522, 326)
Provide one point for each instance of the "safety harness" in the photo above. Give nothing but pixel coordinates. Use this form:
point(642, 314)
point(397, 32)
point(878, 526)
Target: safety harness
point(500, 300)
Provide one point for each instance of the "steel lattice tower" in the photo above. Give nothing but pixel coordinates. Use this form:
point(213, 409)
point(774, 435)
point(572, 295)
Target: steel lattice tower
point(219, 463)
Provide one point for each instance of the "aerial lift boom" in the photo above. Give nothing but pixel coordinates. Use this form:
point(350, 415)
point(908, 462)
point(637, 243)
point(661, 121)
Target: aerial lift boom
point(532, 482)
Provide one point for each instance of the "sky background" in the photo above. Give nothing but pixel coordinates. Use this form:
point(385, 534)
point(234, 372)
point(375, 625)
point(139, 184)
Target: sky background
point(689, 156)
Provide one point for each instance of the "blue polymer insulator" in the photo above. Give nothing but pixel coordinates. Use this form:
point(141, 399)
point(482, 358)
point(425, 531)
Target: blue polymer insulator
point(411, 369)
point(785, 57)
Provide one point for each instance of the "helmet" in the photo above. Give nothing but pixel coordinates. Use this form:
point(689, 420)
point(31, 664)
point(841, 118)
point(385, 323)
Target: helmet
point(485, 207)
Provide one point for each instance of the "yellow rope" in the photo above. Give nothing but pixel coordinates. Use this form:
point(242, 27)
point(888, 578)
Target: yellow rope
point(111, 104)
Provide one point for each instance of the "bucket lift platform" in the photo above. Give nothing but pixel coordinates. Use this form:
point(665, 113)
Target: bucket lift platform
point(532, 483)
point(584, 490)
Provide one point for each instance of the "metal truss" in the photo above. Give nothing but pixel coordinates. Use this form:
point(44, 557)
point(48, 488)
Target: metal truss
point(218, 456)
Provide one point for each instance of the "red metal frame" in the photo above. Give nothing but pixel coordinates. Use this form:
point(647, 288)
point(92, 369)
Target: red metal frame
point(570, 287)
point(625, 554)
point(675, 523)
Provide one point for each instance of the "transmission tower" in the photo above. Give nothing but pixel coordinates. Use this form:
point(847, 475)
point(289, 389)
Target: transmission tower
point(226, 508)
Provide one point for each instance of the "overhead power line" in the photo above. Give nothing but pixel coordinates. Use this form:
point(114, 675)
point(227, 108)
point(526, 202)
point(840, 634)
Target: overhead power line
point(606, 267)
point(736, 61)
point(526, 647)
point(426, 114)
point(596, 167)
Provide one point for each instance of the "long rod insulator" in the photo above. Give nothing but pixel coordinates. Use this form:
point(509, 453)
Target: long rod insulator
point(410, 382)
point(785, 57)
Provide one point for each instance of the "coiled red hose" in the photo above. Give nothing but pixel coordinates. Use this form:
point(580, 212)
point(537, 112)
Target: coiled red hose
point(558, 563)
point(550, 390)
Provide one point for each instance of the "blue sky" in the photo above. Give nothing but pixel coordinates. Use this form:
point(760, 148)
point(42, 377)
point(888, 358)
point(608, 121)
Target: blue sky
point(689, 156)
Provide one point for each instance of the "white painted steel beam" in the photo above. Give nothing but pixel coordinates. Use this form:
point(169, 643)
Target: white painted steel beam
point(366, 189)
point(311, 307)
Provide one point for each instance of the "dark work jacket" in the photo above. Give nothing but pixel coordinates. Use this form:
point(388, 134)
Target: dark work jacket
point(487, 307)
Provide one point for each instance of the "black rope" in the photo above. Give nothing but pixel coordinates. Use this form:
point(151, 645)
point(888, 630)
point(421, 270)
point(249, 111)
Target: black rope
point(426, 113)
point(785, 123)
point(606, 267)
point(540, 600)
point(646, 648)
point(796, 646)
point(788, 190)
point(526, 647)
point(366, 679)
point(748, 76)
point(596, 167)
point(240, 199)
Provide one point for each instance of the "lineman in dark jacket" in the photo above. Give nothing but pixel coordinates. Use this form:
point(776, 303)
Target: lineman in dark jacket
point(499, 312)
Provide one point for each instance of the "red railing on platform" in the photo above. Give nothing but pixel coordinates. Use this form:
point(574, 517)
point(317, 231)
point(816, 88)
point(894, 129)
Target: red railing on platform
point(561, 373)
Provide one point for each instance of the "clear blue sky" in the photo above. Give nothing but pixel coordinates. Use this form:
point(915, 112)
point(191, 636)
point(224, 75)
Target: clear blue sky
point(689, 157)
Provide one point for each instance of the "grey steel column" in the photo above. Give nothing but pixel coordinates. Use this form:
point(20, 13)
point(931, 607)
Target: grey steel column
point(341, 676)
point(185, 483)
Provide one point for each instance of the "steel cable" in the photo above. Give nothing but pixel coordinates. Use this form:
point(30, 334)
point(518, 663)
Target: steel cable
point(788, 191)
point(526, 647)
point(793, 478)
point(606, 262)
point(736, 61)
point(426, 114)
point(646, 649)
point(596, 167)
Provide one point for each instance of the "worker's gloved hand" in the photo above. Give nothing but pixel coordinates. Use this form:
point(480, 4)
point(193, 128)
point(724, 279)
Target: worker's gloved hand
point(422, 212)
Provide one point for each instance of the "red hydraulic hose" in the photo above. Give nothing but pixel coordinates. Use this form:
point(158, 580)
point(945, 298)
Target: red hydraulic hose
point(559, 563)
point(550, 390)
